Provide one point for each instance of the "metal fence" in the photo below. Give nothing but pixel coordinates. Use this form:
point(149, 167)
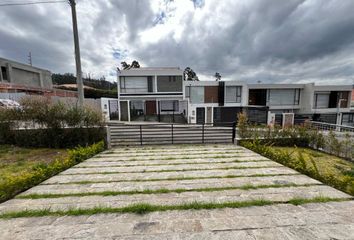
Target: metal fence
point(146, 134)
point(321, 126)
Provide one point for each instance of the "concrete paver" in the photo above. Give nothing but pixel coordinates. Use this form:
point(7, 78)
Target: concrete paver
point(112, 171)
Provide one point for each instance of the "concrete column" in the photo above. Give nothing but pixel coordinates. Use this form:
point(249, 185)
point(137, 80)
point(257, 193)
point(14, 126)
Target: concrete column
point(155, 83)
point(339, 118)
point(128, 104)
point(41, 79)
point(9, 72)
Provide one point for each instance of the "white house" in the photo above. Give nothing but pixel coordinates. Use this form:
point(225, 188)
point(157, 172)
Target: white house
point(160, 94)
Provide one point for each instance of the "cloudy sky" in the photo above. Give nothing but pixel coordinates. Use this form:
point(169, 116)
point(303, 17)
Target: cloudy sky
point(250, 40)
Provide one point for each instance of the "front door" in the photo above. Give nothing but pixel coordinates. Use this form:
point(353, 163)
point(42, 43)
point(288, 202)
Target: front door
point(200, 115)
point(150, 107)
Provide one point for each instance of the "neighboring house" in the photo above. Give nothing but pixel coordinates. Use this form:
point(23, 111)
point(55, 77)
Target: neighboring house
point(160, 94)
point(18, 79)
point(152, 94)
point(215, 101)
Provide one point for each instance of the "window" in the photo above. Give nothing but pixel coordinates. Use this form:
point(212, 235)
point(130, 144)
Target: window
point(134, 84)
point(321, 100)
point(169, 105)
point(122, 82)
point(233, 94)
point(4, 73)
point(197, 94)
point(279, 97)
point(150, 84)
point(343, 96)
point(297, 97)
point(169, 83)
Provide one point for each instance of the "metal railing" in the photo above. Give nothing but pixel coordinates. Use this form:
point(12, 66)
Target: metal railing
point(330, 127)
point(143, 134)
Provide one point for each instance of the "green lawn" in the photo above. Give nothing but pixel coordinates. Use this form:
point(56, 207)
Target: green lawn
point(15, 161)
point(339, 169)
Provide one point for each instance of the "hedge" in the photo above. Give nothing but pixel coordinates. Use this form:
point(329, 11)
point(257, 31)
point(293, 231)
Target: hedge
point(16, 184)
point(53, 138)
point(298, 164)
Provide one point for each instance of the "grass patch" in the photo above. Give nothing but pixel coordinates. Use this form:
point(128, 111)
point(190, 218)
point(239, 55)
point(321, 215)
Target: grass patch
point(175, 179)
point(13, 183)
point(178, 170)
point(329, 169)
point(15, 161)
point(160, 191)
point(143, 208)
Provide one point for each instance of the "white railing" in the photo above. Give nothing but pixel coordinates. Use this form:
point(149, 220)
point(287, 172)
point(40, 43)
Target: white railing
point(331, 127)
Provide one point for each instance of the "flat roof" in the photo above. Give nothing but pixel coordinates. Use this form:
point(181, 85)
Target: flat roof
point(22, 64)
point(148, 71)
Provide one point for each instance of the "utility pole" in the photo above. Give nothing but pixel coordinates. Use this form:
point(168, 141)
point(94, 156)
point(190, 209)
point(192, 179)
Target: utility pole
point(30, 58)
point(80, 85)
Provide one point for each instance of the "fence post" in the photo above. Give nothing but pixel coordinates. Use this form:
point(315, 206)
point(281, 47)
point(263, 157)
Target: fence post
point(233, 132)
point(172, 132)
point(141, 135)
point(203, 133)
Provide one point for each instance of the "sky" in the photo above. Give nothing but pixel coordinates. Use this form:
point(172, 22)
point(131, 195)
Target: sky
point(268, 41)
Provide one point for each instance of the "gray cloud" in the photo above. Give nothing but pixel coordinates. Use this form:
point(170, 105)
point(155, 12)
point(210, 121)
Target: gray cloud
point(255, 40)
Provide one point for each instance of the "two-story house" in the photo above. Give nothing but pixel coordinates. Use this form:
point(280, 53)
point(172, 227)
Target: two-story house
point(161, 94)
point(151, 94)
point(214, 102)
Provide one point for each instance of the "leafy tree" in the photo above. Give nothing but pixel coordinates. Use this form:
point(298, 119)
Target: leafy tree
point(126, 66)
point(217, 76)
point(190, 75)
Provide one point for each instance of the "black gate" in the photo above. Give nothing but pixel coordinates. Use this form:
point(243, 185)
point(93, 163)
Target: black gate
point(145, 134)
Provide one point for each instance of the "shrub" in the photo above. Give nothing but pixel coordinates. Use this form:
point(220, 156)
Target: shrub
point(298, 163)
point(14, 185)
point(242, 124)
point(53, 124)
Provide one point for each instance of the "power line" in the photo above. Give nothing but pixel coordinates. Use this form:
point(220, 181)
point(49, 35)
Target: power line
point(30, 3)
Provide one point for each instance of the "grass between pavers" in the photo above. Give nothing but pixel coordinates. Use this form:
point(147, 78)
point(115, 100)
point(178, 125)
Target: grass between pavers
point(143, 208)
point(162, 190)
point(174, 179)
point(172, 164)
point(10, 185)
point(177, 170)
point(173, 158)
point(159, 154)
point(158, 149)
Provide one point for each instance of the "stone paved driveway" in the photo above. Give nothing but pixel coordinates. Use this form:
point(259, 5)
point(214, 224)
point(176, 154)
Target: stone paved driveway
point(176, 175)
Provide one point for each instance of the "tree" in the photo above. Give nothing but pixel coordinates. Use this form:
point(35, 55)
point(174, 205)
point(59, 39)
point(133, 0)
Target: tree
point(135, 64)
point(190, 75)
point(126, 66)
point(217, 76)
